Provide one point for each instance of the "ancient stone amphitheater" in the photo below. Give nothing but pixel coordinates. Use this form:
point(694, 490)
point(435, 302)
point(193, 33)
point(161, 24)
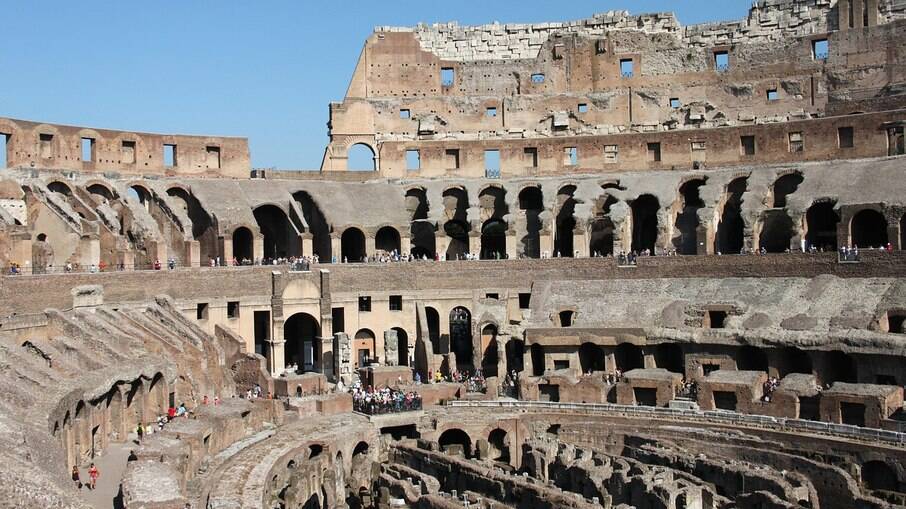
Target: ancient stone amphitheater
point(614, 262)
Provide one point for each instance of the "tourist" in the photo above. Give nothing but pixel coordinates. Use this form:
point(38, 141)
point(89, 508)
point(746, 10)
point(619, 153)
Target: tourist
point(93, 475)
point(75, 477)
point(204, 400)
point(140, 431)
point(181, 411)
point(132, 456)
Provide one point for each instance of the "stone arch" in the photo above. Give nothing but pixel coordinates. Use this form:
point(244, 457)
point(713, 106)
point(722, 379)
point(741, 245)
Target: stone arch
point(730, 236)
point(868, 228)
point(490, 355)
point(783, 187)
point(457, 227)
point(203, 229)
point(243, 244)
point(433, 319)
point(591, 358)
point(421, 229)
point(281, 240)
point(499, 446)
point(454, 440)
point(686, 224)
point(387, 239)
point(302, 347)
point(402, 347)
point(644, 223)
point(566, 221)
point(493, 239)
point(458, 244)
point(492, 200)
point(514, 355)
point(601, 238)
point(361, 156)
point(101, 189)
point(59, 187)
point(531, 205)
point(879, 476)
point(317, 225)
point(566, 317)
point(777, 231)
point(141, 194)
point(461, 337)
point(821, 222)
point(751, 358)
point(628, 357)
point(158, 394)
point(352, 245)
point(364, 347)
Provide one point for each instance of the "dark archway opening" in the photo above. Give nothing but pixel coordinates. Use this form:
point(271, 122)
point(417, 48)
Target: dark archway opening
point(499, 446)
point(514, 351)
point(302, 349)
point(281, 240)
point(840, 367)
point(387, 240)
point(60, 188)
point(490, 355)
point(752, 358)
point(493, 239)
point(878, 475)
point(101, 191)
point(591, 358)
point(869, 229)
point(455, 442)
point(628, 357)
point(537, 353)
point(243, 244)
point(687, 219)
point(730, 230)
point(461, 338)
point(352, 245)
point(566, 223)
point(531, 203)
point(784, 187)
point(203, 229)
point(794, 360)
point(776, 231)
point(458, 246)
point(670, 357)
point(402, 346)
point(601, 239)
point(821, 222)
point(421, 230)
point(433, 318)
point(317, 226)
point(644, 223)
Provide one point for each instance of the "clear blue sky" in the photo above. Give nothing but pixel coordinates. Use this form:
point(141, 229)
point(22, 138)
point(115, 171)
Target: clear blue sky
point(265, 70)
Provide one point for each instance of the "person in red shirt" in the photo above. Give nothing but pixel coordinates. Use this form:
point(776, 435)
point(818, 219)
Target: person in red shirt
point(171, 413)
point(93, 475)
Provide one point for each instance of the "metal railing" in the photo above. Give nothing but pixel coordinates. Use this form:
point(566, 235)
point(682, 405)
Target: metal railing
point(783, 423)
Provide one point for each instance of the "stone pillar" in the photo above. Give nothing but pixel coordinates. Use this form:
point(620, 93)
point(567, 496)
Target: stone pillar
point(369, 245)
point(275, 357)
point(405, 245)
point(649, 361)
point(127, 259)
point(475, 242)
point(704, 240)
point(226, 248)
point(308, 248)
point(441, 242)
point(502, 340)
point(193, 254)
point(511, 245)
point(580, 242)
point(336, 247)
point(391, 348)
point(257, 247)
point(546, 242)
point(90, 251)
point(893, 233)
point(342, 358)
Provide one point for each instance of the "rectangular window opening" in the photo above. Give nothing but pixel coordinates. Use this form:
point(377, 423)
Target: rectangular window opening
point(492, 163)
point(747, 145)
point(654, 152)
point(127, 152)
point(627, 68)
point(452, 158)
point(796, 142)
point(583, 108)
point(87, 150)
point(213, 155)
point(820, 49)
point(233, 309)
point(396, 303)
point(525, 300)
point(413, 160)
point(262, 322)
point(716, 319)
point(773, 95)
point(721, 61)
point(675, 103)
point(561, 364)
point(492, 296)
point(338, 319)
point(611, 153)
point(169, 155)
point(46, 145)
point(571, 156)
point(365, 303)
point(531, 157)
point(201, 311)
point(537, 78)
point(845, 137)
point(491, 111)
point(405, 114)
point(447, 76)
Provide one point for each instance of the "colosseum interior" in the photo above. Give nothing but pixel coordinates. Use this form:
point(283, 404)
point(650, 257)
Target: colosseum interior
point(614, 262)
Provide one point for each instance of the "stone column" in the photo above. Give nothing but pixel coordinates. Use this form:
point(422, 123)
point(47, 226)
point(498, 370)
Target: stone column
point(90, 250)
point(475, 242)
point(502, 339)
point(257, 248)
point(193, 254)
point(405, 245)
point(511, 244)
point(342, 365)
point(276, 353)
point(441, 242)
point(391, 348)
point(546, 242)
point(580, 242)
point(336, 247)
point(704, 240)
point(308, 248)
point(226, 248)
point(369, 245)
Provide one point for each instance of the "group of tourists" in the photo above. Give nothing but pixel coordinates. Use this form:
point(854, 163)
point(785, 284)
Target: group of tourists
point(613, 378)
point(770, 385)
point(687, 389)
point(509, 386)
point(384, 401)
point(93, 474)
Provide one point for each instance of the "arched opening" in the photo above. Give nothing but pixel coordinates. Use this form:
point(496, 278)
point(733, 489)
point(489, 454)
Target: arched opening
point(531, 203)
point(537, 353)
point(361, 448)
point(101, 191)
point(499, 449)
point(315, 450)
point(387, 240)
point(490, 356)
point(821, 226)
point(776, 231)
point(402, 346)
point(591, 358)
point(281, 240)
point(317, 226)
point(566, 222)
point(433, 318)
point(840, 367)
point(644, 223)
point(461, 338)
point(670, 356)
point(730, 230)
point(868, 228)
point(302, 348)
point(352, 245)
point(566, 317)
point(514, 351)
point(361, 157)
point(141, 194)
point(628, 357)
point(421, 230)
point(242, 244)
point(784, 187)
point(686, 242)
point(601, 239)
point(878, 475)
point(752, 358)
point(202, 227)
point(794, 360)
point(493, 239)
point(455, 442)
point(59, 188)
point(456, 205)
point(364, 348)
